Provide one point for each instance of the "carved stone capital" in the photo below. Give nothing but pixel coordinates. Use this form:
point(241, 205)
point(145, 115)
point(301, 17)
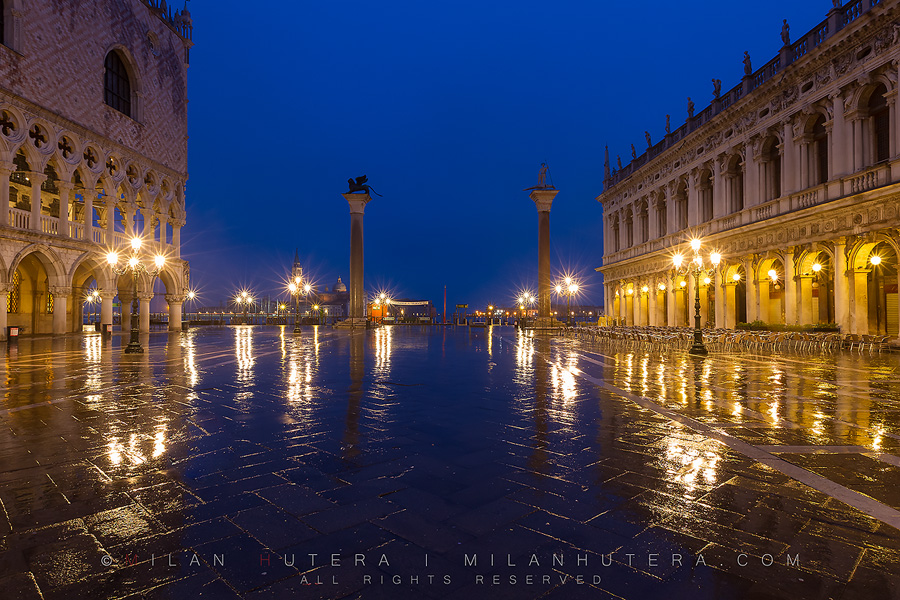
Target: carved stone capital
point(175, 298)
point(543, 199)
point(357, 202)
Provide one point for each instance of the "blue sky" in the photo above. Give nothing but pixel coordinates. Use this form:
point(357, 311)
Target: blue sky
point(449, 108)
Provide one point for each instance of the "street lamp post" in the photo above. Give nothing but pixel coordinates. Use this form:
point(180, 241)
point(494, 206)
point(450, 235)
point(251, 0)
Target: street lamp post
point(294, 288)
point(696, 267)
point(135, 265)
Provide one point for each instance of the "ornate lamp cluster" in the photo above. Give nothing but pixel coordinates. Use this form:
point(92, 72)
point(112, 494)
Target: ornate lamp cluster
point(698, 268)
point(245, 298)
point(384, 300)
point(297, 288)
point(567, 287)
point(135, 263)
point(525, 300)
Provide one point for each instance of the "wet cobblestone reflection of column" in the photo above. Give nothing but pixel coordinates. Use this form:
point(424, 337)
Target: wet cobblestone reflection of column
point(357, 204)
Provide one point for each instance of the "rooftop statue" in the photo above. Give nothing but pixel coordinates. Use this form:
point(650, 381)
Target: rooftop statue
point(543, 184)
point(690, 108)
point(668, 126)
point(747, 68)
point(633, 152)
point(647, 137)
point(717, 87)
point(360, 185)
point(786, 33)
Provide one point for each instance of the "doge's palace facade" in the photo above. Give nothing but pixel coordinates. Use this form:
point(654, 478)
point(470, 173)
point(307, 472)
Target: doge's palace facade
point(93, 144)
point(793, 176)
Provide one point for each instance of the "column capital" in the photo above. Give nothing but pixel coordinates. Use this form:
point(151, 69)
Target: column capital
point(65, 185)
point(36, 178)
point(543, 199)
point(107, 295)
point(175, 298)
point(5, 287)
point(357, 202)
point(7, 167)
point(60, 291)
point(143, 297)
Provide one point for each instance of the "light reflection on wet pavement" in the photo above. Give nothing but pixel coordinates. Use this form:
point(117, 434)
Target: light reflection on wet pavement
point(216, 464)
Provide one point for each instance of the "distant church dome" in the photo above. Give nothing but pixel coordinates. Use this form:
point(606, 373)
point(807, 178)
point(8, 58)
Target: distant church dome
point(339, 287)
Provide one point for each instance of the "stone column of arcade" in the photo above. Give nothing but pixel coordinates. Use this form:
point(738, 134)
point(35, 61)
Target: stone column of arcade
point(106, 307)
point(144, 312)
point(61, 296)
point(543, 200)
point(357, 317)
point(175, 304)
point(4, 289)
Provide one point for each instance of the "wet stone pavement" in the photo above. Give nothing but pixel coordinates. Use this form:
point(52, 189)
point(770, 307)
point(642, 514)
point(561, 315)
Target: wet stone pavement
point(247, 462)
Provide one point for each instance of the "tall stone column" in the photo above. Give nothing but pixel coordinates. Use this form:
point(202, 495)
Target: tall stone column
point(543, 200)
point(60, 308)
point(790, 289)
point(106, 307)
point(144, 314)
point(36, 180)
point(357, 204)
point(629, 307)
point(762, 294)
point(89, 215)
point(4, 289)
point(65, 188)
point(805, 300)
point(859, 301)
point(720, 299)
point(841, 285)
point(638, 305)
point(652, 312)
point(730, 308)
point(110, 222)
point(175, 304)
point(623, 305)
point(6, 169)
point(670, 302)
point(125, 300)
point(176, 237)
point(839, 148)
point(752, 285)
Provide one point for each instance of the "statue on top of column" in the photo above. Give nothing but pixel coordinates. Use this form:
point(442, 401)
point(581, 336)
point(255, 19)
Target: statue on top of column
point(786, 33)
point(543, 183)
point(748, 69)
point(360, 185)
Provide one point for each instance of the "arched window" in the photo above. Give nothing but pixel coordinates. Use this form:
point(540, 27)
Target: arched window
point(662, 225)
point(705, 191)
point(734, 184)
point(820, 147)
point(771, 163)
point(879, 116)
point(645, 222)
point(116, 85)
point(681, 206)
